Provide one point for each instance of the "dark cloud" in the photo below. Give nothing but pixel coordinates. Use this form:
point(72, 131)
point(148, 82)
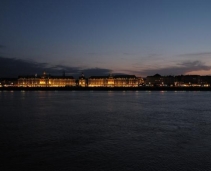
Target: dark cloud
point(96, 72)
point(181, 68)
point(119, 73)
point(87, 72)
point(12, 67)
point(198, 54)
point(67, 69)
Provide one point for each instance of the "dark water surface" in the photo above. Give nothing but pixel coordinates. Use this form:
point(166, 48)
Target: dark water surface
point(152, 131)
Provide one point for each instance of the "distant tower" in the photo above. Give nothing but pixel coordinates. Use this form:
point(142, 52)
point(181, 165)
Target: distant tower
point(63, 73)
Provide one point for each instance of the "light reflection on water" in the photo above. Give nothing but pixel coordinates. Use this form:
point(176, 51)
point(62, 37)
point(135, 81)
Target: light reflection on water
point(102, 130)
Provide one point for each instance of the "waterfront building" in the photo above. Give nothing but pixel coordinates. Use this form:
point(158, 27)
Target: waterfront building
point(177, 81)
point(113, 81)
point(82, 81)
point(30, 81)
point(205, 81)
point(46, 80)
point(140, 81)
point(126, 81)
point(97, 81)
point(156, 80)
point(168, 81)
point(8, 82)
point(188, 81)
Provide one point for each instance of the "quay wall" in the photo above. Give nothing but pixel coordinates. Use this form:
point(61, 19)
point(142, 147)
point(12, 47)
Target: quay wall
point(105, 88)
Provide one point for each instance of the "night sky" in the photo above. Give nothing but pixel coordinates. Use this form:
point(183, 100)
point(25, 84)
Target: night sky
point(98, 37)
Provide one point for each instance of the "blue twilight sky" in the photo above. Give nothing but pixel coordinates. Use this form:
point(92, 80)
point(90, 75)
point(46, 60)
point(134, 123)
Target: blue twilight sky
point(98, 37)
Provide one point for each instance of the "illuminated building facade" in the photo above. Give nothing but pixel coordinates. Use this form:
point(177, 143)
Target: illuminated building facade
point(157, 80)
point(140, 81)
point(82, 81)
point(97, 81)
point(113, 81)
point(126, 81)
point(46, 81)
point(29, 81)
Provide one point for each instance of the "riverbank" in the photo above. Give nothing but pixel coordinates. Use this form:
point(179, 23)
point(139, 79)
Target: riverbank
point(105, 88)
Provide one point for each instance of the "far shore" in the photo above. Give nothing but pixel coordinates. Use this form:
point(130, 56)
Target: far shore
point(105, 88)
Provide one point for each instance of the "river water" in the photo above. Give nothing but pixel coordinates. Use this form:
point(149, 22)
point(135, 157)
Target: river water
point(105, 130)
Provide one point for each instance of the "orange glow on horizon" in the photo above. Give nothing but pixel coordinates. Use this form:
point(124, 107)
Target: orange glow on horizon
point(201, 72)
